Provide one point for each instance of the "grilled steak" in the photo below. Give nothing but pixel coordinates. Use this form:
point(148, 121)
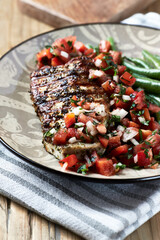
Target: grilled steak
point(52, 89)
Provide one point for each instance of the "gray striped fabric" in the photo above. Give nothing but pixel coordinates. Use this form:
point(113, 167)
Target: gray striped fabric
point(92, 210)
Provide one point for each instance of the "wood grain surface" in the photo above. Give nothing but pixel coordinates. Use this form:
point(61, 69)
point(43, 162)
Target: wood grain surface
point(64, 12)
point(16, 222)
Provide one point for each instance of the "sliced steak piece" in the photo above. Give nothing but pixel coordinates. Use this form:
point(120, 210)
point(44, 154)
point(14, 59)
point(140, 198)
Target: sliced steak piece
point(51, 91)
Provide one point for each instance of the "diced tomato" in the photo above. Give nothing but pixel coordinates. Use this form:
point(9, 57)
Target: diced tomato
point(64, 44)
point(145, 134)
point(89, 53)
point(69, 119)
point(105, 167)
point(125, 122)
point(60, 137)
point(133, 116)
point(103, 141)
point(84, 119)
point(104, 46)
point(127, 79)
point(71, 132)
point(119, 150)
point(114, 142)
point(109, 86)
point(121, 69)
point(74, 102)
point(133, 124)
point(83, 137)
point(86, 105)
point(156, 150)
point(71, 160)
point(102, 63)
point(95, 116)
point(116, 55)
point(139, 147)
point(120, 104)
point(146, 114)
point(139, 100)
point(99, 74)
point(154, 140)
point(129, 90)
point(153, 125)
point(44, 57)
point(80, 47)
point(143, 160)
point(154, 108)
point(101, 128)
point(55, 61)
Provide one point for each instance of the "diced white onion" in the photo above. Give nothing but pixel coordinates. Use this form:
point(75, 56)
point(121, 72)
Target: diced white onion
point(101, 110)
point(126, 97)
point(134, 141)
point(120, 128)
point(129, 134)
point(141, 119)
point(111, 102)
point(98, 73)
point(98, 62)
point(64, 54)
point(135, 158)
point(119, 112)
point(64, 166)
point(116, 78)
point(52, 131)
point(103, 44)
point(72, 140)
point(78, 110)
point(79, 124)
point(91, 128)
point(119, 133)
point(80, 129)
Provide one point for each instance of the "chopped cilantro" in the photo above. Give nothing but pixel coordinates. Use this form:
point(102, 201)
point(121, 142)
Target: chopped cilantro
point(146, 152)
point(138, 113)
point(120, 165)
point(48, 134)
point(74, 101)
point(96, 49)
point(115, 118)
point(48, 46)
point(69, 43)
point(62, 45)
point(133, 105)
point(140, 136)
point(82, 169)
point(147, 143)
point(137, 167)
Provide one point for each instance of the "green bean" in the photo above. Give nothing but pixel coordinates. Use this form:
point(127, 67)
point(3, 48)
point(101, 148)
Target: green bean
point(158, 117)
point(157, 56)
point(138, 62)
point(151, 59)
point(112, 42)
point(153, 99)
point(152, 73)
point(148, 84)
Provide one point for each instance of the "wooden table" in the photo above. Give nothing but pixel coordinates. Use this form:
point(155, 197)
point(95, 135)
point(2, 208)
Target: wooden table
point(16, 222)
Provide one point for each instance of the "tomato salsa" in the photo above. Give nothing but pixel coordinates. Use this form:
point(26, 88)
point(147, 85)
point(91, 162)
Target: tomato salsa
point(130, 136)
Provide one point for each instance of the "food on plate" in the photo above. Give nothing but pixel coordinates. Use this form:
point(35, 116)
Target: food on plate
point(94, 119)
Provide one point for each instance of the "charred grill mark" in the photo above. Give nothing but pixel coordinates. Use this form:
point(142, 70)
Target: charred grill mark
point(53, 87)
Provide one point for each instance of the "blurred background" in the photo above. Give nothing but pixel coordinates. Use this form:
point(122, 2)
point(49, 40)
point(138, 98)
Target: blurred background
point(21, 19)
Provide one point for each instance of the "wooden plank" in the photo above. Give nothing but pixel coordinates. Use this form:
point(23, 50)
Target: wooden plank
point(3, 218)
point(59, 13)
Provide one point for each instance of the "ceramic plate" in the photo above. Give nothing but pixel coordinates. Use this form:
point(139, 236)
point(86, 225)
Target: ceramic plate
point(20, 128)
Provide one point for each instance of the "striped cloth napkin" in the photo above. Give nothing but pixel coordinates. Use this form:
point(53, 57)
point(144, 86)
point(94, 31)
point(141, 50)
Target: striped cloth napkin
point(95, 211)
